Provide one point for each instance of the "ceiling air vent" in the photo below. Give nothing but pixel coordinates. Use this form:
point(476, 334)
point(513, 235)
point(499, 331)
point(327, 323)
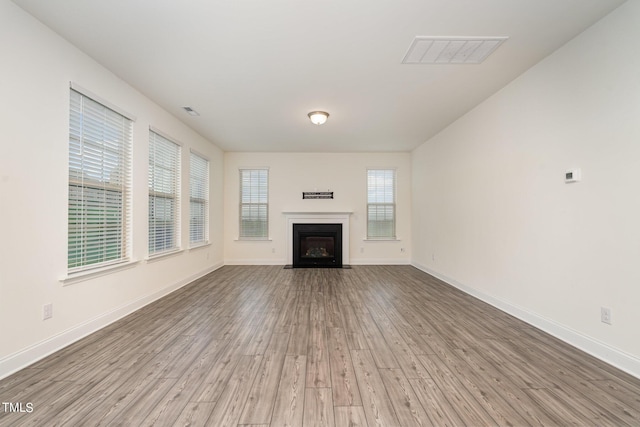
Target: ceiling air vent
point(451, 50)
point(191, 111)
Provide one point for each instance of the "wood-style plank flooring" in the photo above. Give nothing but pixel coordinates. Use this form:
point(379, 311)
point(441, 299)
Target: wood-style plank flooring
point(369, 346)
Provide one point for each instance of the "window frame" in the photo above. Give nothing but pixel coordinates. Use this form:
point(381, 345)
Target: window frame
point(201, 198)
point(243, 233)
point(161, 145)
point(384, 204)
point(99, 184)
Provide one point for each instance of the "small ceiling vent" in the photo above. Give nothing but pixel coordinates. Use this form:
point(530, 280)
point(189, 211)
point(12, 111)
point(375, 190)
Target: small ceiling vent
point(451, 50)
point(191, 111)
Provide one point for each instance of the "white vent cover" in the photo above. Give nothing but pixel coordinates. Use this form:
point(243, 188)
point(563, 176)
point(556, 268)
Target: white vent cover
point(191, 111)
point(451, 50)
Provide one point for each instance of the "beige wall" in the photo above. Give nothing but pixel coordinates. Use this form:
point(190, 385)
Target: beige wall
point(494, 216)
point(37, 67)
point(292, 173)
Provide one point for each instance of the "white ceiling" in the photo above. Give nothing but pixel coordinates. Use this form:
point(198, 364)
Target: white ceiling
point(253, 69)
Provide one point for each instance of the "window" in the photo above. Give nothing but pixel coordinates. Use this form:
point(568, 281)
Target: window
point(381, 204)
point(164, 200)
point(254, 203)
point(99, 184)
point(198, 200)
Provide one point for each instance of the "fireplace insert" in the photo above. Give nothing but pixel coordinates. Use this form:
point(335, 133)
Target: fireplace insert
point(317, 245)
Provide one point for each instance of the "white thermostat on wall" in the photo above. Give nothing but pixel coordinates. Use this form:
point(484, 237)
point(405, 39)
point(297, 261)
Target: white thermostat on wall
point(572, 175)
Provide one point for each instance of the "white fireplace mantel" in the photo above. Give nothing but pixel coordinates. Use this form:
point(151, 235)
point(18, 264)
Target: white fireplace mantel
point(318, 218)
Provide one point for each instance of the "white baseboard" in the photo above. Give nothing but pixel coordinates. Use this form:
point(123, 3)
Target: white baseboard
point(23, 358)
point(266, 261)
point(354, 261)
point(598, 349)
point(379, 261)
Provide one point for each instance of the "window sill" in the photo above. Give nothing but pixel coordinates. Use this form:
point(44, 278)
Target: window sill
point(98, 272)
point(162, 255)
point(200, 245)
point(383, 239)
point(253, 239)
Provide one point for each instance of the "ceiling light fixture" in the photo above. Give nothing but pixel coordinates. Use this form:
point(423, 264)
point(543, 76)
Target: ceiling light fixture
point(318, 117)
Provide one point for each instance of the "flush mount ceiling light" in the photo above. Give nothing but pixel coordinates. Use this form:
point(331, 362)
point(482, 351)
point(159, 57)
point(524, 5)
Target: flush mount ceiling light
point(318, 117)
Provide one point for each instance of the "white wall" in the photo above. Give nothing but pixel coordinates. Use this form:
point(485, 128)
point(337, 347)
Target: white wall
point(292, 173)
point(494, 216)
point(37, 67)
point(490, 211)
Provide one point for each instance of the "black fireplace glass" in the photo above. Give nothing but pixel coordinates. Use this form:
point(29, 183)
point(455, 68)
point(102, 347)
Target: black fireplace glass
point(317, 245)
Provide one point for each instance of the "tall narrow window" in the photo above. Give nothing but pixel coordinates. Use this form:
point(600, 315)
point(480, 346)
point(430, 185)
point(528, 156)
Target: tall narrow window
point(99, 184)
point(254, 203)
point(164, 200)
point(381, 204)
point(198, 200)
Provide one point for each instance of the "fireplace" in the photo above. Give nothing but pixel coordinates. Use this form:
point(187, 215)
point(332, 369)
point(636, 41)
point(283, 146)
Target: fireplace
point(317, 245)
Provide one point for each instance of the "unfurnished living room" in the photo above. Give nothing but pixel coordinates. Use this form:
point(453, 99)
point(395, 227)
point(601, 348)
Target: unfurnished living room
point(340, 213)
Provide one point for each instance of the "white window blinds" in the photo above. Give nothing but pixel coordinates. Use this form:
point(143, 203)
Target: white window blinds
point(99, 184)
point(381, 204)
point(164, 194)
point(254, 203)
point(198, 200)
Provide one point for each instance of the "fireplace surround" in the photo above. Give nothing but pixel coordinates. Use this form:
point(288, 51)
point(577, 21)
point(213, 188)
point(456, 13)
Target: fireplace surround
point(325, 217)
point(317, 245)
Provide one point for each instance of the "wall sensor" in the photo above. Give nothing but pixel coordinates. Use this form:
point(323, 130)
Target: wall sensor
point(572, 175)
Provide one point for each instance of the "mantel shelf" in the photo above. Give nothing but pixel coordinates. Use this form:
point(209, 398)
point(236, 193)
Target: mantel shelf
point(317, 213)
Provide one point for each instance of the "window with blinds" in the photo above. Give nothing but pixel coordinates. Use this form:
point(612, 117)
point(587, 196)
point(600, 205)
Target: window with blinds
point(164, 194)
point(381, 204)
point(99, 184)
point(198, 200)
point(254, 203)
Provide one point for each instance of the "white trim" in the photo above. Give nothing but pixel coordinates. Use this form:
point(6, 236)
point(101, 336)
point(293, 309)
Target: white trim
point(395, 168)
point(318, 218)
point(23, 358)
point(302, 213)
point(243, 168)
point(160, 255)
point(201, 245)
point(241, 181)
point(613, 356)
point(205, 200)
point(197, 153)
point(380, 261)
point(88, 274)
point(257, 261)
point(165, 135)
point(101, 100)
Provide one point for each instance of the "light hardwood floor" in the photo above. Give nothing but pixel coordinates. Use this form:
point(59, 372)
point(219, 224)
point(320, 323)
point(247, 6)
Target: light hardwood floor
point(370, 346)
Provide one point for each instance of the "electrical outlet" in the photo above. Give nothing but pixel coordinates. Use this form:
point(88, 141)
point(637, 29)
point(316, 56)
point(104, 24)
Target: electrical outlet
point(605, 315)
point(47, 311)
